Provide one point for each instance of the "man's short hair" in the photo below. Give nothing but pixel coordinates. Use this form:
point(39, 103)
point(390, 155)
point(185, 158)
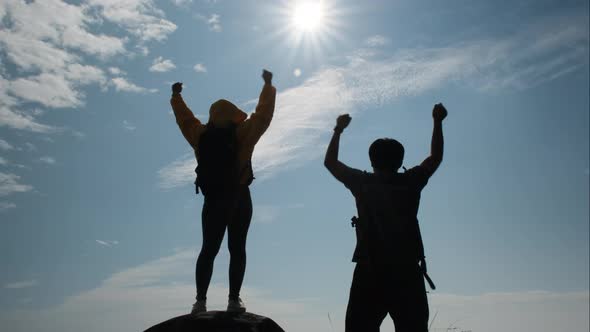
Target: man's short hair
point(386, 154)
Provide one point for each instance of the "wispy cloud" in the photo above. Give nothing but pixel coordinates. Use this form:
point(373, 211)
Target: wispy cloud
point(266, 214)
point(162, 65)
point(200, 68)
point(11, 115)
point(533, 311)
point(21, 284)
point(306, 112)
point(7, 205)
point(156, 290)
point(377, 40)
point(116, 71)
point(128, 126)
point(107, 243)
point(122, 84)
point(47, 160)
point(30, 146)
point(57, 89)
point(182, 3)
point(5, 145)
point(213, 21)
point(141, 18)
point(163, 288)
point(9, 183)
point(178, 173)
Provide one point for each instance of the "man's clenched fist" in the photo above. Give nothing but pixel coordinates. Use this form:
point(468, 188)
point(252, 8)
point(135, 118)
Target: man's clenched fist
point(267, 77)
point(176, 88)
point(342, 122)
point(439, 112)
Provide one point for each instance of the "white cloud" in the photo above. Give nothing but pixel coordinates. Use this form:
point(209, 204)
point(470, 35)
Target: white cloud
point(11, 116)
point(143, 50)
point(178, 173)
point(35, 55)
point(537, 311)
point(162, 65)
point(305, 113)
point(50, 43)
point(141, 18)
point(122, 84)
point(36, 34)
point(116, 71)
point(47, 160)
point(182, 3)
point(128, 126)
point(30, 146)
point(200, 68)
point(21, 284)
point(164, 288)
point(107, 243)
point(5, 145)
point(156, 290)
point(377, 40)
point(213, 21)
point(51, 90)
point(9, 184)
point(265, 214)
point(7, 205)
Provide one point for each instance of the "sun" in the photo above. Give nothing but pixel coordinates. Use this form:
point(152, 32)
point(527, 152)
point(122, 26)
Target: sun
point(307, 16)
point(307, 29)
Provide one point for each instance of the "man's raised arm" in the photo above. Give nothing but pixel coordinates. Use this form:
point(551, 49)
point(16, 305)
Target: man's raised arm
point(337, 168)
point(430, 164)
point(189, 125)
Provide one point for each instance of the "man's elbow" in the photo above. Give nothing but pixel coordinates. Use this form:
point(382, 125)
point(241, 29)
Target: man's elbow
point(329, 164)
point(436, 160)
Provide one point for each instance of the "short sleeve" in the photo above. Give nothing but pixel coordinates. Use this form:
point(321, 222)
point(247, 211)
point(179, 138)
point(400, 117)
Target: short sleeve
point(352, 179)
point(418, 176)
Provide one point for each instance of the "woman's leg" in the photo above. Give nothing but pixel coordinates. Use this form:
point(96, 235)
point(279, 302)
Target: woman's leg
point(214, 221)
point(237, 232)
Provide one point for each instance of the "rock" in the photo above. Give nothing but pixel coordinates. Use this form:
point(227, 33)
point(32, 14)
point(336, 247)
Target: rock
point(218, 321)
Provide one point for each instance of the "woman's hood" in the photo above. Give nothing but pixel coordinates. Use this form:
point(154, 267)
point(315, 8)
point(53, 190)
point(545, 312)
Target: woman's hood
point(223, 112)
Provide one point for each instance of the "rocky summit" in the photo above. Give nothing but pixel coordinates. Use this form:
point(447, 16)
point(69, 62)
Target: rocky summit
point(218, 321)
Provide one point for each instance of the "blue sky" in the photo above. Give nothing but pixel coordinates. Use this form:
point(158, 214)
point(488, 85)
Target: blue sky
point(100, 226)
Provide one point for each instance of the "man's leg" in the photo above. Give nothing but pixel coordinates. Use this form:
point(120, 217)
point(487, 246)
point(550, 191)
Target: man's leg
point(366, 309)
point(214, 221)
point(237, 232)
point(409, 309)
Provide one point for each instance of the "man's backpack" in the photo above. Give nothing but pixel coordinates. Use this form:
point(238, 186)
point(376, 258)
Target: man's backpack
point(387, 224)
point(217, 170)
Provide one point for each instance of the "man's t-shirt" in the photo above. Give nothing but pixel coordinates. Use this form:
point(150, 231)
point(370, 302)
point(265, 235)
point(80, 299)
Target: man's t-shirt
point(387, 230)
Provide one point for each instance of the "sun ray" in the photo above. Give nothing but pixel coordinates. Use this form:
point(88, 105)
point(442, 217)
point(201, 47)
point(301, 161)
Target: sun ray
point(303, 36)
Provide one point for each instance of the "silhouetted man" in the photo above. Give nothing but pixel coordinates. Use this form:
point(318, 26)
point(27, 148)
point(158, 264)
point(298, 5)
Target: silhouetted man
point(389, 257)
point(223, 148)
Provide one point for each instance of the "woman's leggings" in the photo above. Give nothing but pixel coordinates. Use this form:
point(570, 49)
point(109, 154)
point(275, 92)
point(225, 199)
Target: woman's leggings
point(233, 212)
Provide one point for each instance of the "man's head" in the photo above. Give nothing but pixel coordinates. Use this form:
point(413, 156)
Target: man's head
point(386, 154)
